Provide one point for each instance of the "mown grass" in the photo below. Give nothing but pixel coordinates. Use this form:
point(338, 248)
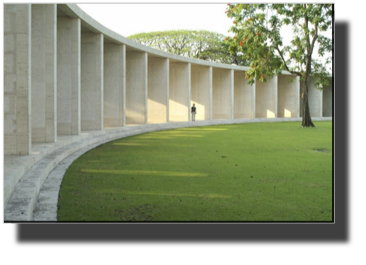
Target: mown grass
point(246, 172)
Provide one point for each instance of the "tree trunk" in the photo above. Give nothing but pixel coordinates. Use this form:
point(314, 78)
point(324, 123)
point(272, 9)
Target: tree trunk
point(306, 118)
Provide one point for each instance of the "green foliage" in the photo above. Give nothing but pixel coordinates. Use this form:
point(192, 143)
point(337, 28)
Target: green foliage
point(204, 45)
point(257, 29)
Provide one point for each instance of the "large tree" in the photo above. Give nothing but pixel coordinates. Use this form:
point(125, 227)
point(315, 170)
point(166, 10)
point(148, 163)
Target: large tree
point(257, 29)
point(202, 44)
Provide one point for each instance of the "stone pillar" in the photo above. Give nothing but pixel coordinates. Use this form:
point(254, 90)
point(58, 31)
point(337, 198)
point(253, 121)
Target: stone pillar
point(254, 115)
point(91, 81)
point(200, 90)
point(288, 96)
point(189, 91)
point(44, 73)
point(17, 79)
point(222, 93)
point(167, 90)
point(328, 100)
point(211, 95)
point(275, 81)
point(114, 74)
point(68, 76)
point(179, 91)
point(243, 100)
point(266, 98)
point(298, 96)
point(314, 97)
point(136, 87)
point(232, 93)
point(158, 81)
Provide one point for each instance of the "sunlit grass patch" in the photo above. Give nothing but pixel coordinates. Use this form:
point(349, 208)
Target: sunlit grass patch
point(145, 173)
point(241, 172)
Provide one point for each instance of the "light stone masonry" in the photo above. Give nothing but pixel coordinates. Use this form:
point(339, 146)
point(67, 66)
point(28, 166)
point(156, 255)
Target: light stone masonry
point(114, 74)
point(91, 81)
point(200, 91)
point(315, 97)
point(222, 83)
point(71, 84)
point(288, 96)
point(17, 79)
point(179, 107)
point(265, 98)
point(328, 100)
point(158, 81)
point(68, 76)
point(44, 73)
point(136, 87)
point(243, 97)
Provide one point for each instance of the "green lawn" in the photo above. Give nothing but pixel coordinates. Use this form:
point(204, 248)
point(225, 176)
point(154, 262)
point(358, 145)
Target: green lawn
point(245, 172)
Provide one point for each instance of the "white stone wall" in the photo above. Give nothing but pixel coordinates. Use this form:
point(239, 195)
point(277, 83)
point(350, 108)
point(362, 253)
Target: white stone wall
point(158, 88)
point(265, 98)
point(328, 100)
point(179, 90)
point(68, 76)
point(243, 97)
point(44, 73)
point(201, 88)
point(315, 97)
point(222, 89)
point(136, 87)
point(17, 79)
point(64, 73)
point(91, 81)
point(288, 96)
point(114, 84)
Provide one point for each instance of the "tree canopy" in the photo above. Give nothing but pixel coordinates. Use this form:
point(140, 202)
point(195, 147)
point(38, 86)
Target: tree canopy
point(258, 35)
point(204, 45)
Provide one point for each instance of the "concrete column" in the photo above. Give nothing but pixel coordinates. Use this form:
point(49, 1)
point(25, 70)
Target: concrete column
point(146, 84)
point(222, 95)
point(211, 95)
point(297, 96)
point(124, 85)
point(243, 100)
point(68, 76)
point(167, 90)
point(201, 91)
point(44, 73)
point(327, 100)
point(232, 94)
point(17, 79)
point(266, 98)
point(276, 94)
point(158, 80)
point(254, 115)
point(321, 103)
point(179, 91)
point(288, 96)
point(114, 68)
point(91, 81)
point(189, 91)
point(315, 98)
point(136, 87)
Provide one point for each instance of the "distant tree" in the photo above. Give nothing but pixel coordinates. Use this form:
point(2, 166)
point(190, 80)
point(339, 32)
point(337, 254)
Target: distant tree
point(204, 45)
point(260, 41)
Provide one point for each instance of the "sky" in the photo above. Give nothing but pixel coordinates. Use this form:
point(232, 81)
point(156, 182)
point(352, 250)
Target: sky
point(129, 19)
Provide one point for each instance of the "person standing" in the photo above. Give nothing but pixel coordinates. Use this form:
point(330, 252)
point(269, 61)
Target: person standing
point(194, 112)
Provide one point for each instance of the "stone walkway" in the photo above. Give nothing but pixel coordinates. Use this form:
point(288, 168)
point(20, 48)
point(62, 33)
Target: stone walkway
point(33, 182)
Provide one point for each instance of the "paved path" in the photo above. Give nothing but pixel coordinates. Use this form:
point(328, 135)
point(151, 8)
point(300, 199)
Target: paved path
point(33, 182)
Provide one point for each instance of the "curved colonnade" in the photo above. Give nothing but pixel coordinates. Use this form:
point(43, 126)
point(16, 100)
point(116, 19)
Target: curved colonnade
point(71, 84)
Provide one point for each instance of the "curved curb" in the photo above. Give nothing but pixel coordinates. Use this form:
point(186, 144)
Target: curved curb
point(35, 196)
